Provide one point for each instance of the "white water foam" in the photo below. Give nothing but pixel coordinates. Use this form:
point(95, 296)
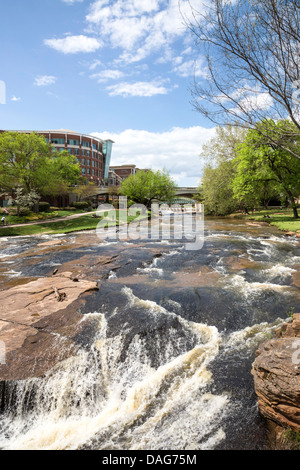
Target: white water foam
point(251, 289)
point(127, 404)
point(278, 270)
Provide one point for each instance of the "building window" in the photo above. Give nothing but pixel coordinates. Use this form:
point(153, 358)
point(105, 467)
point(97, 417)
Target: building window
point(73, 142)
point(88, 153)
point(83, 171)
point(83, 161)
point(88, 171)
point(85, 144)
point(94, 146)
point(83, 153)
point(76, 152)
point(88, 162)
point(58, 141)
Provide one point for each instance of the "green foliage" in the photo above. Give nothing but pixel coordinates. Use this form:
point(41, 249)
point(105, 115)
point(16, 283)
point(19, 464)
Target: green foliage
point(222, 147)
point(267, 169)
point(217, 191)
point(145, 186)
point(26, 161)
point(81, 205)
point(44, 206)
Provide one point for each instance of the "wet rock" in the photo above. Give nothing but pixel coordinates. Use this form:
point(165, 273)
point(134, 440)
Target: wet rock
point(38, 324)
point(52, 243)
point(276, 372)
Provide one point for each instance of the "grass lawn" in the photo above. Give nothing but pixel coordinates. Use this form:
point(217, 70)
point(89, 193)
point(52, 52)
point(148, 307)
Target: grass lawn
point(282, 219)
point(33, 217)
point(85, 222)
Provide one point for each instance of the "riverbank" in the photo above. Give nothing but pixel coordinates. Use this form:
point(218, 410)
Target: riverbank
point(63, 225)
point(281, 219)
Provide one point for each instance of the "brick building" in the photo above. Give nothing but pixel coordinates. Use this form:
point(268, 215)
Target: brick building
point(93, 154)
point(124, 171)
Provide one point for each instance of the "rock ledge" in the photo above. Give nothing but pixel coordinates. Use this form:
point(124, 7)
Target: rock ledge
point(276, 372)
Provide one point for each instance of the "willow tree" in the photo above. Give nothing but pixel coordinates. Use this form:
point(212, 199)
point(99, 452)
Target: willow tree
point(250, 53)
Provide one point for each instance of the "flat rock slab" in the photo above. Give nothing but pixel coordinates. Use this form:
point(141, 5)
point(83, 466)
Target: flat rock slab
point(30, 302)
point(37, 328)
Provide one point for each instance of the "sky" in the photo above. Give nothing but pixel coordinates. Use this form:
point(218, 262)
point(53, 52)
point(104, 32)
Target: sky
point(116, 69)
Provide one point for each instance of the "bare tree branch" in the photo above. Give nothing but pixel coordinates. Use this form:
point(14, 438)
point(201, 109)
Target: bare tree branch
point(251, 50)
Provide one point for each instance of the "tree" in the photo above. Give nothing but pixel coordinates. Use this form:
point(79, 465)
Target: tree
point(217, 190)
point(21, 158)
point(27, 161)
point(250, 50)
point(145, 186)
point(85, 189)
point(261, 164)
point(222, 147)
point(216, 185)
point(29, 200)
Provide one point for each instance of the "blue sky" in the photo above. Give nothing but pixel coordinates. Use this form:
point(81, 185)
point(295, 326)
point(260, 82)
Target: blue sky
point(118, 69)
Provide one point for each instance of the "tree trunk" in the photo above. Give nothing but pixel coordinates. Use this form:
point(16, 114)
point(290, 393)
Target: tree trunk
point(295, 211)
point(294, 207)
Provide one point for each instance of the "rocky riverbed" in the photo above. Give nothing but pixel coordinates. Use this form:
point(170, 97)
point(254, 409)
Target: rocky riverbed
point(114, 345)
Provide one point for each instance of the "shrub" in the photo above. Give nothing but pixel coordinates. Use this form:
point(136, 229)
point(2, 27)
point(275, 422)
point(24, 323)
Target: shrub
point(44, 206)
point(23, 211)
point(81, 205)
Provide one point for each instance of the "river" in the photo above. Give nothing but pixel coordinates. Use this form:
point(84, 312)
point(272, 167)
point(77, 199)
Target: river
point(166, 360)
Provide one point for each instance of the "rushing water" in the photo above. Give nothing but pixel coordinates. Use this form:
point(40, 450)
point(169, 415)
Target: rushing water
point(173, 333)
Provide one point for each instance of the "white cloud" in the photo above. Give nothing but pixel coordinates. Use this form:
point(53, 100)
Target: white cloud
point(74, 44)
point(45, 80)
point(176, 150)
point(249, 99)
point(14, 98)
point(145, 89)
point(71, 2)
point(191, 68)
point(140, 27)
point(108, 74)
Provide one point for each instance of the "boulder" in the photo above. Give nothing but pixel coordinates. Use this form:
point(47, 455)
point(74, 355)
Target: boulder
point(276, 372)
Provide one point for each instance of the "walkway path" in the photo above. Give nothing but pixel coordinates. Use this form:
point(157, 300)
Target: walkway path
point(57, 219)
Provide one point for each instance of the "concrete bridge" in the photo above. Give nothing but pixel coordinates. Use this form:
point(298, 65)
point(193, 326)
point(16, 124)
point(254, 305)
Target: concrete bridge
point(186, 191)
point(181, 191)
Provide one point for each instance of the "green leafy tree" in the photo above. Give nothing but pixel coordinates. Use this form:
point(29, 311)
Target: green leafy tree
point(217, 190)
point(22, 159)
point(261, 165)
point(146, 186)
point(27, 161)
point(58, 175)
